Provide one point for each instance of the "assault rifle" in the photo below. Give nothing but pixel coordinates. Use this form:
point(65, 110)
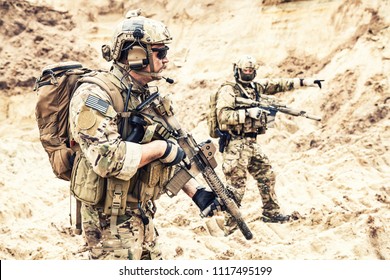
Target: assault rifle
point(199, 159)
point(272, 107)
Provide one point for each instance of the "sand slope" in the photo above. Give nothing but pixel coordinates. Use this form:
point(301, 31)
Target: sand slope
point(334, 173)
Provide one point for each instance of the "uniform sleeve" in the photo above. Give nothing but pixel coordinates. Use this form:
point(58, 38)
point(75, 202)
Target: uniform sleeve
point(226, 112)
point(272, 86)
point(97, 133)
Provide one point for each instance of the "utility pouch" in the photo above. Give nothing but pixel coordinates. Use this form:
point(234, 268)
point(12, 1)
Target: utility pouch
point(263, 123)
point(149, 178)
point(116, 195)
point(166, 176)
point(152, 181)
point(85, 184)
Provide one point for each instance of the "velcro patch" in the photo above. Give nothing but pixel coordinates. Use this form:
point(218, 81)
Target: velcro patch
point(97, 104)
point(86, 119)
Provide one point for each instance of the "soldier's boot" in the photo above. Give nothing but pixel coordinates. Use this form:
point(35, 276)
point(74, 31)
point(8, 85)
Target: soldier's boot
point(275, 218)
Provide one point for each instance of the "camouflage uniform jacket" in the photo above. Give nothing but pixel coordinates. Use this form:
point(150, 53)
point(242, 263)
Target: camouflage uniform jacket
point(233, 118)
point(97, 133)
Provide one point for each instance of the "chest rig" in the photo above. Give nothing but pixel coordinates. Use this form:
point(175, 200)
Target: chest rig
point(141, 123)
point(250, 126)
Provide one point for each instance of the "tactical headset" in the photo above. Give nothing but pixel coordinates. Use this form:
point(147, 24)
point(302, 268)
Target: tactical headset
point(137, 56)
point(235, 71)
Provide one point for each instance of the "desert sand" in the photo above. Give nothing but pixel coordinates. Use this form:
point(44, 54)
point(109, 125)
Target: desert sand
point(334, 173)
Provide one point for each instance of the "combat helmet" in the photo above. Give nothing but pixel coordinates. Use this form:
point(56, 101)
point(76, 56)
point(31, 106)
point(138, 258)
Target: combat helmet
point(136, 34)
point(245, 62)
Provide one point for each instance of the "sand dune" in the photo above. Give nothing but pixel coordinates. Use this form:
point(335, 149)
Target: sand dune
point(335, 173)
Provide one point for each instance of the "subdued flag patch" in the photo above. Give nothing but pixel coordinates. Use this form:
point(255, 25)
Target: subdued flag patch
point(97, 104)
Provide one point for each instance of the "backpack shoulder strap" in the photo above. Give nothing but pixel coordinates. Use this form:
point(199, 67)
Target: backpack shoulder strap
point(258, 90)
point(102, 79)
point(227, 83)
point(235, 86)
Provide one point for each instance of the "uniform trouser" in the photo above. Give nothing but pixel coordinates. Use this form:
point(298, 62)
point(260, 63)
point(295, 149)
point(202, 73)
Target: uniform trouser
point(134, 241)
point(240, 156)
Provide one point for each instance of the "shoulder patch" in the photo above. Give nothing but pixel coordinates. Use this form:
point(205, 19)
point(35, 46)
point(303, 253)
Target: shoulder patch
point(96, 103)
point(86, 119)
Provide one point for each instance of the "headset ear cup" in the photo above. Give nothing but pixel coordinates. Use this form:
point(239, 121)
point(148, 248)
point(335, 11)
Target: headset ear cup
point(235, 71)
point(137, 58)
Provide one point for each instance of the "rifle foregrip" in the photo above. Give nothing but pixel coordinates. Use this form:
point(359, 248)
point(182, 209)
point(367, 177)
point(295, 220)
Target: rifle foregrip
point(232, 208)
point(217, 186)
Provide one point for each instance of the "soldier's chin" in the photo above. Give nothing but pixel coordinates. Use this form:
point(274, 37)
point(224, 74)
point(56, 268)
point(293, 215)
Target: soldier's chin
point(158, 76)
point(245, 82)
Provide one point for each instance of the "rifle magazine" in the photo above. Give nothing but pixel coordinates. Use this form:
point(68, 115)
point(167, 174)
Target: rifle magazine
point(177, 182)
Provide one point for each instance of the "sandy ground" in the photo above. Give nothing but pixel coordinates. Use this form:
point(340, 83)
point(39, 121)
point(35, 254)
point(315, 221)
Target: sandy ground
point(334, 173)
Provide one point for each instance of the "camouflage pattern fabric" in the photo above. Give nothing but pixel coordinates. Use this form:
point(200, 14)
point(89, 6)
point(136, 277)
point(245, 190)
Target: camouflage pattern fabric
point(227, 113)
point(135, 241)
point(243, 153)
point(96, 131)
point(98, 137)
point(154, 32)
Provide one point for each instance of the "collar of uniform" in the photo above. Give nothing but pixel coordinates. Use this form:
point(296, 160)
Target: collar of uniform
point(121, 74)
point(137, 89)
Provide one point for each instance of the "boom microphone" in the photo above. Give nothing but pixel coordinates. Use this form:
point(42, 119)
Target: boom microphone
point(168, 80)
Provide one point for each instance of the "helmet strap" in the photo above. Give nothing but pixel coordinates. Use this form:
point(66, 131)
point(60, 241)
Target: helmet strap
point(150, 57)
point(150, 74)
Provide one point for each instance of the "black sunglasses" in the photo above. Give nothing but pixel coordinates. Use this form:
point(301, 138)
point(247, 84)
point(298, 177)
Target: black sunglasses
point(161, 52)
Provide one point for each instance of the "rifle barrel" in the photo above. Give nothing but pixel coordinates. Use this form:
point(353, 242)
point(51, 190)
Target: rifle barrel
point(274, 107)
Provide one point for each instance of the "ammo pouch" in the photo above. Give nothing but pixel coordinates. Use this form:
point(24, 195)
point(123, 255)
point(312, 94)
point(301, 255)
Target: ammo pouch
point(116, 195)
point(115, 203)
point(144, 186)
point(85, 184)
point(152, 178)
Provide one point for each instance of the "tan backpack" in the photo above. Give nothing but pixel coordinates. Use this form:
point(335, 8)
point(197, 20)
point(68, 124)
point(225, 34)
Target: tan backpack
point(212, 120)
point(55, 88)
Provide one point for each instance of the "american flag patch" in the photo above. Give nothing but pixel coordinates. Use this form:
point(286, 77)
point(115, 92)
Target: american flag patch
point(97, 104)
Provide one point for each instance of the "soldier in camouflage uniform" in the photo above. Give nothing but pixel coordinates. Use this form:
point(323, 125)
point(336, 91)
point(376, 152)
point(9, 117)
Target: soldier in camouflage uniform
point(106, 158)
point(243, 154)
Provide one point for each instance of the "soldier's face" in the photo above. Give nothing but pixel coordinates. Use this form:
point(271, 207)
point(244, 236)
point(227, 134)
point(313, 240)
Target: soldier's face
point(160, 58)
point(247, 74)
point(248, 71)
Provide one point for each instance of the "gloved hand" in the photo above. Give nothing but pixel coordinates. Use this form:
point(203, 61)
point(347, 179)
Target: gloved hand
point(207, 202)
point(311, 82)
point(173, 155)
point(254, 112)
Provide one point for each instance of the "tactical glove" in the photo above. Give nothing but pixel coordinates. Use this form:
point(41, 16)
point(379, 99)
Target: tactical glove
point(173, 155)
point(311, 82)
point(207, 202)
point(254, 112)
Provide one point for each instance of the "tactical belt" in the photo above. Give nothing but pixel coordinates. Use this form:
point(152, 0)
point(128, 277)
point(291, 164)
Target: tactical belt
point(244, 135)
